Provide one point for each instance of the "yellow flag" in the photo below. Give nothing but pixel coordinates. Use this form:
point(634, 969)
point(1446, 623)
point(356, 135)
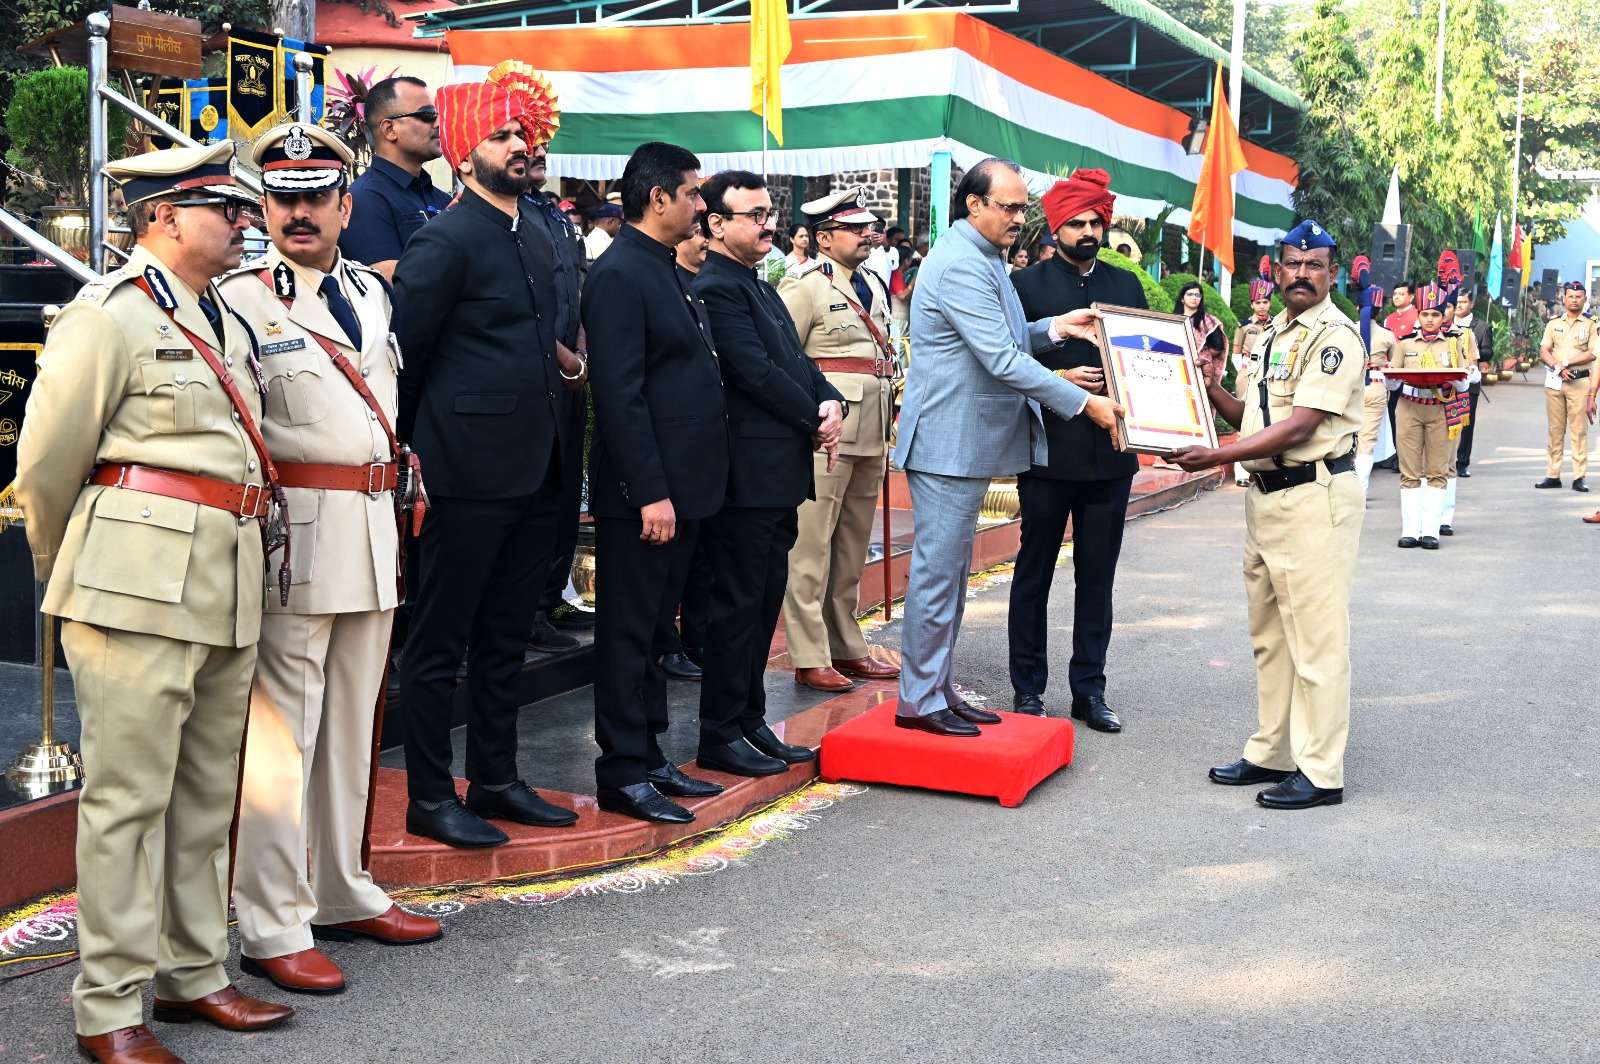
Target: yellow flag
point(769, 47)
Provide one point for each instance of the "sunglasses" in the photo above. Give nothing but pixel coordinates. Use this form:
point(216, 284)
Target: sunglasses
point(232, 209)
point(429, 115)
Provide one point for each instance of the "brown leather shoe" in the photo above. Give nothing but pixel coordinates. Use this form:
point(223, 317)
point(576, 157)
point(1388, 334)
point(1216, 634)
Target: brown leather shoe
point(394, 927)
point(1592, 519)
point(129, 1045)
point(867, 668)
point(305, 972)
point(227, 1008)
point(823, 679)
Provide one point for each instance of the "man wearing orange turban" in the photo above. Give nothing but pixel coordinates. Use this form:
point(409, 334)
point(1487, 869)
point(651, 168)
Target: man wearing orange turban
point(481, 401)
point(1086, 479)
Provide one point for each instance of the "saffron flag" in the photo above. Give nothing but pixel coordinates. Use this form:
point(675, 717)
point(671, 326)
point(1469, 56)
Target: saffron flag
point(1211, 217)
point(1497, 254)
point(769, 47)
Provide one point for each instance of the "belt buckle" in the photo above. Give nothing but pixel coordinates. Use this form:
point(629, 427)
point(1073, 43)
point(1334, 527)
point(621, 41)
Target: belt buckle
point(253, 508)
point(375, 479)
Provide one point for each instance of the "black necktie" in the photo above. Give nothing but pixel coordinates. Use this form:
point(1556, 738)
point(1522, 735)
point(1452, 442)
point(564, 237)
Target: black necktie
point(342, 311)
point(214, 316)
point(863, 293)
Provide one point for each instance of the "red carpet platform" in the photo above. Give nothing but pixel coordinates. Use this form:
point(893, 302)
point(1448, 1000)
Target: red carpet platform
point(1006, 762)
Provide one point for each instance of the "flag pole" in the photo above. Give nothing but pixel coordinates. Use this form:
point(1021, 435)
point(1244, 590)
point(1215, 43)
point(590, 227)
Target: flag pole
point(763, 140)
point(1516, 191)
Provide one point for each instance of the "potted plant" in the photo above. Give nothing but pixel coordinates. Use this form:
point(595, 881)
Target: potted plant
point(48, 121)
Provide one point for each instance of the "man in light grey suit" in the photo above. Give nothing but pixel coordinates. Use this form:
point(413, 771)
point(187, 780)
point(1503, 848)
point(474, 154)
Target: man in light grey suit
point(971, 413)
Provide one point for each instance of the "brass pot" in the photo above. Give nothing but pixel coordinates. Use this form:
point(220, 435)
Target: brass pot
point(67, 228)
point(583, 572)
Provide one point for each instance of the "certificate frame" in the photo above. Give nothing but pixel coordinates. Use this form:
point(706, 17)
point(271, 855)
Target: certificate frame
point(1156, 380)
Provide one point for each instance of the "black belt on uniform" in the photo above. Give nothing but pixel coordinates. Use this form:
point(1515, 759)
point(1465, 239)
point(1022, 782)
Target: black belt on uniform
point(1579, 374)
point(1271, 480)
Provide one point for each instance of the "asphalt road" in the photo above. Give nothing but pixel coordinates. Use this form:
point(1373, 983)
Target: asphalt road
point(1130, 910)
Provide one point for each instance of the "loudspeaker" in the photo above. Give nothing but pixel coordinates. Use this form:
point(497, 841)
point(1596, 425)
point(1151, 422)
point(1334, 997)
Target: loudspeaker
point(1510, 287)
point(1547, 287)
point(1391, 255)
point(1469, 268)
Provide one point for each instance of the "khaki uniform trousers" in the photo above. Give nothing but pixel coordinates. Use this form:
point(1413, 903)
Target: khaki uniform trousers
point(1427, 453)
point(819, 606)
point(1374, 408)
point(308, 757)
point(1299, 560)
point(1568, 415)
point(161, 721)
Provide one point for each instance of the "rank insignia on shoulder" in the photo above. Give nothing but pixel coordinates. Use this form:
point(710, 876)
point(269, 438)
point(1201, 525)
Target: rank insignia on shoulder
point(160, 289)
point(827, 270)
point(354, 277)
point(1331, 358)
point(283, 281)
point(272, 328)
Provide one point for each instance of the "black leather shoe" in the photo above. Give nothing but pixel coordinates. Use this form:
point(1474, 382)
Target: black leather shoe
point(1032, 705)
point(696, 655)
point(1549, 482)
point(766, 740)
point(1094, 712)
point(677, 666)
point(1462, 473)
point(1446, 530)
point(1407, 542)
point(545, 637)
point(454, 825)
point(571, 619)
point(642, 802)
point(519, 803)
point(939, 722)
point(1579, 485)
point(1428, 543)
point(669, 779)
point(739, 758)
point(1241, 772)
point(1297, 792)
point(974, 714)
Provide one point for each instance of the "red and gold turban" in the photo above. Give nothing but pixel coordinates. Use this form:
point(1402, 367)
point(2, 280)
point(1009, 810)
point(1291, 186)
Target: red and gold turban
point(542, 116)
point(1085, 190)
point(469, 113)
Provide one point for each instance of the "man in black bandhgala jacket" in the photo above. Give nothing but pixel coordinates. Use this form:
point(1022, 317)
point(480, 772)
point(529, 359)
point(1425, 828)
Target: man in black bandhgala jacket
point(659, 467)
point(780, 410)
point(1086, 478)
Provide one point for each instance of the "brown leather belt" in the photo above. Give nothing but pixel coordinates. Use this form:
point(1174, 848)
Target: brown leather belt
point(373, 479)
point(246, 500)
point(872, 367)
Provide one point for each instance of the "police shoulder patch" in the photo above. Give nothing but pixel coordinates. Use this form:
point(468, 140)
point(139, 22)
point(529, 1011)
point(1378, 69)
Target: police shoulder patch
point(1331, 358)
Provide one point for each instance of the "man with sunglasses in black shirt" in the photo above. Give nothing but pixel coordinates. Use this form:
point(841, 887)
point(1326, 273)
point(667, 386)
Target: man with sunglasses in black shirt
point(394, 197)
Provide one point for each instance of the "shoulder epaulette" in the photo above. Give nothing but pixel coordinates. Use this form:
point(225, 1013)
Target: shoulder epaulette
point(97, 290)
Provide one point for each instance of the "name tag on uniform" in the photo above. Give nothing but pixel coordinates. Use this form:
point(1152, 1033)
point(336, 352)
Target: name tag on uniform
point(839, 306)
point(174, 354)
point(283, 346)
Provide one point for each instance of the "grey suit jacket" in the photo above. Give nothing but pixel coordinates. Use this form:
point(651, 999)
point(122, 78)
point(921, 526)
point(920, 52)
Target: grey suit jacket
point(974, 389)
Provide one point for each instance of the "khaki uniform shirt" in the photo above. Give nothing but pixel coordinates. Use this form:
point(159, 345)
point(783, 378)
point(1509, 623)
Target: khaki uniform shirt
point(1570, 342)
point(829, 327)
point(119, 382)
point(1449, 349)
point(344, 543)
point(1244, 344)
point(1382, 349)
point(1315, 361)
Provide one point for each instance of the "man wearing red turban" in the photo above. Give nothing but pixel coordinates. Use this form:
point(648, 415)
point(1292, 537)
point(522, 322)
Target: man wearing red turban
point(481, 402)
point(1086, 478)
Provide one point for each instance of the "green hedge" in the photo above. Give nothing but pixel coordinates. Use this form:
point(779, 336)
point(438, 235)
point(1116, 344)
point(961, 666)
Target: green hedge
point(1157, 297)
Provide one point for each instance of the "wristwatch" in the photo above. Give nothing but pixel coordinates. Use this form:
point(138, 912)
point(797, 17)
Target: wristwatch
point(844, 409)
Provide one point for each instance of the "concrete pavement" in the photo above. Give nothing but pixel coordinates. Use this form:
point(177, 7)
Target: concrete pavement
point(1130, 910)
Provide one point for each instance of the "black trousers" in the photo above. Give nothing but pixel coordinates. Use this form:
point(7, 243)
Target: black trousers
point(677, 635)
point(636, 584)
point(484, 562)
point(1099, 512)
point(1464, 452)
point(566, 545)
point(750, 547)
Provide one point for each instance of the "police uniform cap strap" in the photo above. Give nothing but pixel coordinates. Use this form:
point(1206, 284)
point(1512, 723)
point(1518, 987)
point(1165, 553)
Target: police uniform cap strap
point(300, 157)
point(161, 173)
point(846, 207)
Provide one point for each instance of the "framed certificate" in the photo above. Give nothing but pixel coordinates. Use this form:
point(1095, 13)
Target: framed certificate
point(1152, 371)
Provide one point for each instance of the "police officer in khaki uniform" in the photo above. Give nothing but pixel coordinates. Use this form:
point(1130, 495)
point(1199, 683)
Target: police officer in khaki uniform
point(1569, 348)
point(318, 676)
point(145, 493)
point(841, 312)
point(1303, 514)
point(1424, 439)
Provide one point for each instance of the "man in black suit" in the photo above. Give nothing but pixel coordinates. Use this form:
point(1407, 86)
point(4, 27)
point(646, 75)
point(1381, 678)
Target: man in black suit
point(658, 467)
point(780, 409)
point(1086, 477)
point(480, 397)
point(1466, 321)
